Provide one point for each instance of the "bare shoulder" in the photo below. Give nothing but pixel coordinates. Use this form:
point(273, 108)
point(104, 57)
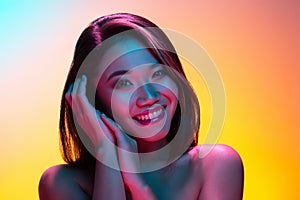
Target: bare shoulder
point(63, 182)
point(216, 152)
point(223, 173)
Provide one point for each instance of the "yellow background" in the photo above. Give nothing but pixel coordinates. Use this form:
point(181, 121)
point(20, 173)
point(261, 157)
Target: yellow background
point(255, 45)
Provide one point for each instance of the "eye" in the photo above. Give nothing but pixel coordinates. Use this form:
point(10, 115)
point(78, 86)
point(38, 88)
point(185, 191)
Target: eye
point(159, 73)
point(123, 83)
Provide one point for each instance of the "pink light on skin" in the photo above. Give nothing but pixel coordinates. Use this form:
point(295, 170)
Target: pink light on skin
point(142, 89)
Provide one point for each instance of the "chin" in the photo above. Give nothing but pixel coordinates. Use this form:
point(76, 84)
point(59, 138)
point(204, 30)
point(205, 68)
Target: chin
point(155, 138)
point(161, 135)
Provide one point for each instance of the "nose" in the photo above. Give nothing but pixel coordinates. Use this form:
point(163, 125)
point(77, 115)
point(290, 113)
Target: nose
point(147, 95)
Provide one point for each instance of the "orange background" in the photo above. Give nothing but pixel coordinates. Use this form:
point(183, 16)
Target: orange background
point(255, 45)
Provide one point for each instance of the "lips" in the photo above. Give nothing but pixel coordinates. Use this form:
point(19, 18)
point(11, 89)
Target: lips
point(149, 115)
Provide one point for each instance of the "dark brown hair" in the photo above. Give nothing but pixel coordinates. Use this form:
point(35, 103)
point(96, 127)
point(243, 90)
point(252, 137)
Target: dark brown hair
point(72, 149)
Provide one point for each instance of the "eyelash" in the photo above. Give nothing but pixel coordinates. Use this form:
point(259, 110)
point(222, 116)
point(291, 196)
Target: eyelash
point(126, 83)
point(123, 83)
point(161, 73)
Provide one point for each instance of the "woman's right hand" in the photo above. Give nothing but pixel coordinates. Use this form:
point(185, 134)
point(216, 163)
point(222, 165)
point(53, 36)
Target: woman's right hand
point(100, 129)
point(87, 117)
point(108, 182)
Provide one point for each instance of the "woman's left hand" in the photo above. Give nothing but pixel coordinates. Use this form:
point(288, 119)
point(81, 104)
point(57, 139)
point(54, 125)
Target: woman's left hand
point(127, 147)
point(129, 163)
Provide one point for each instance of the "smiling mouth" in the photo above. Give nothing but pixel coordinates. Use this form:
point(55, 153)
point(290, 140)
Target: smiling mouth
point(150, 116)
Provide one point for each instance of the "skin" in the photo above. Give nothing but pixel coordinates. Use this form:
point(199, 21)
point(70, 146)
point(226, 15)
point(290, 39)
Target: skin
point(144, 88)
point(218, 176)
point(131, 87)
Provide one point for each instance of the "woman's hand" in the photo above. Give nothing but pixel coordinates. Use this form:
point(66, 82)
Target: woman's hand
point(127, 147)
point(100, 129)
point(129, 164)
point(87, 117)
point(108, 182)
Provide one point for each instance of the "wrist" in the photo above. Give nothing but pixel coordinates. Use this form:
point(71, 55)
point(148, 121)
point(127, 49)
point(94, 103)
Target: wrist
point(107, 154)
point(134, 181)
point(140, 190)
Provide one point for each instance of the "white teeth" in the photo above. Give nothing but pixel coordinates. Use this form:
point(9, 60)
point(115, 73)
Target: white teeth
point(150, 115)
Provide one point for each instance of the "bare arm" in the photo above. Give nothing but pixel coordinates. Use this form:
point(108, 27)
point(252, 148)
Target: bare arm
point(139, 189)
point(108, 182)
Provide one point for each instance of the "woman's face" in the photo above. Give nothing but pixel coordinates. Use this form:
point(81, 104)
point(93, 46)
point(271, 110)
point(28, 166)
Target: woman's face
point(136, 90)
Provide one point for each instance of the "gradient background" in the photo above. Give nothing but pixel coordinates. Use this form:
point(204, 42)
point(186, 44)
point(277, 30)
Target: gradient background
point(255, 45)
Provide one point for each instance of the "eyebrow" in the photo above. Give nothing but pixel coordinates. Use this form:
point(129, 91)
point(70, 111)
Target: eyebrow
point(116, 73)
point(121, 72)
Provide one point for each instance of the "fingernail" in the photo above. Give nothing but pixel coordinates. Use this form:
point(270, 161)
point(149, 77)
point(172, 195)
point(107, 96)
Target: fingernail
point(83, 78)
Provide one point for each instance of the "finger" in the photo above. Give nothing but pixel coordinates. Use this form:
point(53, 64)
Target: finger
point(76, 105)
point(70, 89)
point(104, 128)
point(103, 125)
point(127, 161)
point(121, 137)
point(82, 100)
point(76, 85)
point(74, 95)
point(110, 123)
point(82, 86)
point(68, 95)
point(98, 113)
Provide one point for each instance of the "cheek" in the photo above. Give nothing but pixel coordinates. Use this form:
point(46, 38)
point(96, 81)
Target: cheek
point(119, 105)
point(170, 90)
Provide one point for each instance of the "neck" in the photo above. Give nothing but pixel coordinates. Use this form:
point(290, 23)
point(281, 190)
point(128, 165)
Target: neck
point(150, 158)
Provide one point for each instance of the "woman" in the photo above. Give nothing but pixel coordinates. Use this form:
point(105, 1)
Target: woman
point(129, 121)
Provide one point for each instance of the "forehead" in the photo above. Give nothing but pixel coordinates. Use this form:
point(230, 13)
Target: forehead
point(126, 53)
point(131, 60)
